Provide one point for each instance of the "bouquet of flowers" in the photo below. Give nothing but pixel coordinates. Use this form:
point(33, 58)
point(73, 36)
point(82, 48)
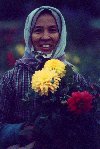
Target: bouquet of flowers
point(55, 83)
point(64, 106)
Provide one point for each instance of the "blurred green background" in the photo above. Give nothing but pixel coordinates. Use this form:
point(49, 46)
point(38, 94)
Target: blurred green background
point(83, 28)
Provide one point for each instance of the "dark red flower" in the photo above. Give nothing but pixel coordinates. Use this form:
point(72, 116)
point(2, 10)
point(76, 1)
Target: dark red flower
point(80, 102)
point(10, 59)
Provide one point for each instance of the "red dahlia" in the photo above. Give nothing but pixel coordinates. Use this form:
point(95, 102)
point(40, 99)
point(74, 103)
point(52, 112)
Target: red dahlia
point(80, 102)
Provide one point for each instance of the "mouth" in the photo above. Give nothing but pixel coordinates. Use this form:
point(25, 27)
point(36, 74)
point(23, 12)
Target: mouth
point(46, 47)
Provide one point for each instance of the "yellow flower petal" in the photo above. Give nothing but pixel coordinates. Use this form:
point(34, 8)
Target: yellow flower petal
point(57, 65)
point(42, 81)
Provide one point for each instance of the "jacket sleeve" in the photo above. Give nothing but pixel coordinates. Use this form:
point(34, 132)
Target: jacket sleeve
point(8, 131)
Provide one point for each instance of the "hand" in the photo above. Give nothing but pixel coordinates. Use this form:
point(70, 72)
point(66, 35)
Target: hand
point(26, 135)
point(40, 131)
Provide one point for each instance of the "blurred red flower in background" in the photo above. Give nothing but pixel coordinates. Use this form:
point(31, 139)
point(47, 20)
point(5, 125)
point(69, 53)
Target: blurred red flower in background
point(10, 59)
point(80, 102)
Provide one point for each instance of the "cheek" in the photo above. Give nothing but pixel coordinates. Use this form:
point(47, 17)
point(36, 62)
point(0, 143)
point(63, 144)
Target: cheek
point(35, 38)
point(56, 38)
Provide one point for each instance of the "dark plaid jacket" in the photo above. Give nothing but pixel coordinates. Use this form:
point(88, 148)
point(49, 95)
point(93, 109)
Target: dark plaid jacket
point(14, 94)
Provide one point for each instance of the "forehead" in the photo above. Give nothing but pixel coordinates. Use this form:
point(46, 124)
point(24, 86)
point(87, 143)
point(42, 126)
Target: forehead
point(46, 20)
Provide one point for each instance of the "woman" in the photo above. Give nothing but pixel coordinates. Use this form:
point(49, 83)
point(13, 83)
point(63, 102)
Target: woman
point(45, 38)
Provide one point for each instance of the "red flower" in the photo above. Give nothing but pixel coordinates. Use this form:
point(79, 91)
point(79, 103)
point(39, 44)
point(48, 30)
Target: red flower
point(10, 59)
point(80, 102)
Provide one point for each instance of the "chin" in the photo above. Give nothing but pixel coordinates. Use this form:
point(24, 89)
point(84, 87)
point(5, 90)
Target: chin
point(46, 51)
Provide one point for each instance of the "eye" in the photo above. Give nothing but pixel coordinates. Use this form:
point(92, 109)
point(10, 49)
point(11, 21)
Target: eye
point(53, 30)
point(37, 30)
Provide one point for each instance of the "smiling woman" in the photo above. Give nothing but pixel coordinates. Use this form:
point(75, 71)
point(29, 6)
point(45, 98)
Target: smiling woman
point(45, 32)
point(34, 94)
point(45, 35)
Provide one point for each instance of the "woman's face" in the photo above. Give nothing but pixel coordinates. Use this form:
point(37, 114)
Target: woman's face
point(45, 35)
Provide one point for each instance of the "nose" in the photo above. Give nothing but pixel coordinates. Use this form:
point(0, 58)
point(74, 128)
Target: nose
point(46, 35)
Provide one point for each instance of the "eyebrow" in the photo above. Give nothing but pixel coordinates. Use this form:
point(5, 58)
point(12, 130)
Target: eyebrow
point(53, 26)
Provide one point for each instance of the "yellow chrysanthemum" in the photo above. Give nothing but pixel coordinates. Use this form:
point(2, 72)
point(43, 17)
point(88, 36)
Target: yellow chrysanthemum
point(57, 65)
point(44, 81)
